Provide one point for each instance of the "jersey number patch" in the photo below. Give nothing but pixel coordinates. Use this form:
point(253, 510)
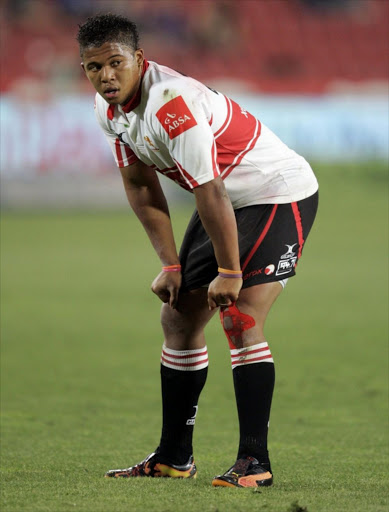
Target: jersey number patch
point(176, 117)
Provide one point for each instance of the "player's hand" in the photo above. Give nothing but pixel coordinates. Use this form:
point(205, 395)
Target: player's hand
point(167, 285)
point(223, 291)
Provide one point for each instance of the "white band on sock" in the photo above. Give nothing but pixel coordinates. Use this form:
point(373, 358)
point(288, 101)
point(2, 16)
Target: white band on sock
point(259, 353)
point(185, 360)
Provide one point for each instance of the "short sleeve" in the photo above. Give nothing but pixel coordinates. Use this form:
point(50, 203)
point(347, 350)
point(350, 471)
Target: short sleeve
point(121, 151)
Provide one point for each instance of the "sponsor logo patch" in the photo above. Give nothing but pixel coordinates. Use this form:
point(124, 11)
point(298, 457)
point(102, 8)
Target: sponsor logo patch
point(253, 273)
point(289, 253)
point(175, 117)
point(270, 269)
point(286, 266)
point(287, 261)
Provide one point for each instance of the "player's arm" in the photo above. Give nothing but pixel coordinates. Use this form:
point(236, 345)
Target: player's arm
point(218, 218)
point(148, 201)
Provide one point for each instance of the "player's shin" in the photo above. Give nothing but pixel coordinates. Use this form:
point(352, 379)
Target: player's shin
point(254, 384)
point(254, 376)
point(183, 375)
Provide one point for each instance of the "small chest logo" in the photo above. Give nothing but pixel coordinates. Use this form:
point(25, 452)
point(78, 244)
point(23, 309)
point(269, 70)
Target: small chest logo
point(175, 117)
point(150, 142)
point(120, 137)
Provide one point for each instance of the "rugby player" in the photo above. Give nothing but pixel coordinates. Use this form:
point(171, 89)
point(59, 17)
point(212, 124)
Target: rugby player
point(256, 201)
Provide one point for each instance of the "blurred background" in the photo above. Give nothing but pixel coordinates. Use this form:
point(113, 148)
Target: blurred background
point(315, 71)
point(80, 335)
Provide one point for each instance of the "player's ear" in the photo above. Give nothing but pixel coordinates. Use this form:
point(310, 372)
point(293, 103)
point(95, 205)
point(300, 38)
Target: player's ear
point(139, 57)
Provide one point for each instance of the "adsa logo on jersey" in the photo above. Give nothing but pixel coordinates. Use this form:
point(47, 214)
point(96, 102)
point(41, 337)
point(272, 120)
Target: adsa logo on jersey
point(175, 121)
point(175, 117)
point(170, 117)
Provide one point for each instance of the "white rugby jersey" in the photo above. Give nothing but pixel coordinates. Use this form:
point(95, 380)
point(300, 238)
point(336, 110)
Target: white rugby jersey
point(192, 134)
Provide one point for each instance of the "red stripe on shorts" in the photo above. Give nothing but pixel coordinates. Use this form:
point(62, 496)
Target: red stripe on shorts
point(299, 227)
point(261, 237)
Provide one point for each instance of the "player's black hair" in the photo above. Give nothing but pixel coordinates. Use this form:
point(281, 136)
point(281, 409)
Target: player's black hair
point(108, 27)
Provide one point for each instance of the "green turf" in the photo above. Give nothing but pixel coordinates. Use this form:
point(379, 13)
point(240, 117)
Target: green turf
point(80, 366)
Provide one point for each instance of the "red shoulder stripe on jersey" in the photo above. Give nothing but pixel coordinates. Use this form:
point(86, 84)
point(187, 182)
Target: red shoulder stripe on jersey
point(241, 155)
point(119, 156)
point(299, 227)
point(261, 237)
point(215, 166)
point(192, 182)
point(131, 156)
point(227, 121)
point(175, 175)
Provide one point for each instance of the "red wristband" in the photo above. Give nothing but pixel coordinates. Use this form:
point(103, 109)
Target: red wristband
point(172, 268)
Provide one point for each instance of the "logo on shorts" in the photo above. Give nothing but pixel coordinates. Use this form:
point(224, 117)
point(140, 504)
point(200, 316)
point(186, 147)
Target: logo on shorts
point(253, 273)
point(175, 117)
point(289, 253)
point(287, 261)
point(270, 269)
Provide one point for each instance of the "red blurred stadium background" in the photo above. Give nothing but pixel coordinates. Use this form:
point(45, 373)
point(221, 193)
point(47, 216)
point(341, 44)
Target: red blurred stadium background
point(315, 71)
point(281, 46)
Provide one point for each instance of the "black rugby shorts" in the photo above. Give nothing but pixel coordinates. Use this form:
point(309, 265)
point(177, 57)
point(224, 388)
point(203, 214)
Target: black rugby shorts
point(271, 240)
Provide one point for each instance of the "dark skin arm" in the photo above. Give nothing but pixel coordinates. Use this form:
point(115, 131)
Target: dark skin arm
point(218, 218)
point(148, 201)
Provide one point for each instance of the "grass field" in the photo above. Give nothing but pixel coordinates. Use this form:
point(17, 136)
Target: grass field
point(80, 366)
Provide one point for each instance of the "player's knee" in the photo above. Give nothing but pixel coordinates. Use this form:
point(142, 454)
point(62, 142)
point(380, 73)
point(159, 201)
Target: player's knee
point(236, 324)
point(173, 322)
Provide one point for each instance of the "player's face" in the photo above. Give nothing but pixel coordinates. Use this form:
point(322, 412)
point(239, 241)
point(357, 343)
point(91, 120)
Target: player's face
point(114, 70)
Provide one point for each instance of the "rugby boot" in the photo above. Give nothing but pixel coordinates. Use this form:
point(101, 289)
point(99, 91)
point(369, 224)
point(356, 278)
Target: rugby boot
point(246, 472)
point(154, 466)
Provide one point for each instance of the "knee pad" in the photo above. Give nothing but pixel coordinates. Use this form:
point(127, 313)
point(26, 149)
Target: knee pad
point(234, 323)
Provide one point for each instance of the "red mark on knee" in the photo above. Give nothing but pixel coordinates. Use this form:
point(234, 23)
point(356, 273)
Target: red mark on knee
point(234, 322)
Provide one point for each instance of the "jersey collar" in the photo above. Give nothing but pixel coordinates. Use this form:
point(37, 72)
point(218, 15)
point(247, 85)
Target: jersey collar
point(134, 102)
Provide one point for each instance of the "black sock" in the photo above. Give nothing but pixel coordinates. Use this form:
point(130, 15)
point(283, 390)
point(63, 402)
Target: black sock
point(254, 384)
point(180, 395)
